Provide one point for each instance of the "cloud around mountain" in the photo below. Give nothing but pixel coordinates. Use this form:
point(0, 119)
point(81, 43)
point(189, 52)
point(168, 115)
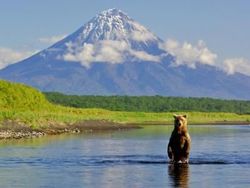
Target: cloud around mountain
point(108, 51)
point(9, 56)
point(188, 54)
point(234, 65)
point(111, 51)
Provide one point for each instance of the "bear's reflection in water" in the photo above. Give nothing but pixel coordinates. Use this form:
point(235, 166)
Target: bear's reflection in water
point(179, 175)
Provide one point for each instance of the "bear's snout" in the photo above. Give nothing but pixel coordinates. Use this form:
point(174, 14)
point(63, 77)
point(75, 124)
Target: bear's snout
point(177, 123)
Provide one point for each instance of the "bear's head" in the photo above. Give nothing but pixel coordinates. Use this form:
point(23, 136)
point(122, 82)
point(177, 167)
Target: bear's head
point(180, 122)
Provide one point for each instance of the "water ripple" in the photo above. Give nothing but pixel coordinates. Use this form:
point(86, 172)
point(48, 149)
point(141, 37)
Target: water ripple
point(106, 160)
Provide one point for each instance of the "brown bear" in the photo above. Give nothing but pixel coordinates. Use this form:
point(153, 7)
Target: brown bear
point(180, 142)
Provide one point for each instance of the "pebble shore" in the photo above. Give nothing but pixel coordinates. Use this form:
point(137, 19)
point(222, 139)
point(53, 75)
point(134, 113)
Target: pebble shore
point(12, 130)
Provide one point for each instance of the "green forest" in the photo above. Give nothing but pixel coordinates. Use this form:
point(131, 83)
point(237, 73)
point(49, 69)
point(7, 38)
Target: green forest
point(150, 103)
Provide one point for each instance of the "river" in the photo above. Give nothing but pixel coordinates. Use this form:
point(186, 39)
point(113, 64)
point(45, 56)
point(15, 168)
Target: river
point(220, 157)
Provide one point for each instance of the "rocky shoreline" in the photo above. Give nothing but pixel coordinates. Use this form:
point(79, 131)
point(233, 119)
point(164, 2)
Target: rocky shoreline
point(9, 134)
point(13, 130)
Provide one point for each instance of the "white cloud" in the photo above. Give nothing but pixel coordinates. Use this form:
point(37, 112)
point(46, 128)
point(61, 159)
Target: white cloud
point(110, 51)
point(141, 55)
point(52, 39)
point(9, 56)
point(239, 65)
point(188, 54)
point(103, 51)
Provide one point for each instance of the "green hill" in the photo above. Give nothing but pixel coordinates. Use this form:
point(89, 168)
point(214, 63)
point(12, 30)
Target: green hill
point(21, 97)
point(22, 105)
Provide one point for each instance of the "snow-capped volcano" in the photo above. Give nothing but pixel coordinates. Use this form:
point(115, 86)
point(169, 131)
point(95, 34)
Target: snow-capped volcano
point(112, 37)
point(113, 24)
point(112, 54)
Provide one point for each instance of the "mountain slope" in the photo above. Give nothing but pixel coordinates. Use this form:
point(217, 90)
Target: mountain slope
point(114, 55)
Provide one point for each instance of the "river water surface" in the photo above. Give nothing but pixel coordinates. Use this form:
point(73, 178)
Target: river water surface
point(220, 157)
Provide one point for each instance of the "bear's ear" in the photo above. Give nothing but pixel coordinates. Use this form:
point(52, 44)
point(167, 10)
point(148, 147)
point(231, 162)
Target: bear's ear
point(185, 116)
point(175, 116)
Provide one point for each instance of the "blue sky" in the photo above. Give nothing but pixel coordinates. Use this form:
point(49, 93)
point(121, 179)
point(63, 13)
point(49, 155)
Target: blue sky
point(223, 25)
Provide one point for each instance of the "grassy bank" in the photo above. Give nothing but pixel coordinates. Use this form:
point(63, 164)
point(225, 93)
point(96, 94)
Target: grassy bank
point(25, 106)
point(62, 115)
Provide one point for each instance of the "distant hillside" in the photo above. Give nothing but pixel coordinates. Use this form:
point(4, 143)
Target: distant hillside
point(21, 97)
point(151, 103)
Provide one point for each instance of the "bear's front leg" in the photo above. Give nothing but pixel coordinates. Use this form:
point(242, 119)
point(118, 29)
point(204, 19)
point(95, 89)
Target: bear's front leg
point(186, 149)
point(170, 152)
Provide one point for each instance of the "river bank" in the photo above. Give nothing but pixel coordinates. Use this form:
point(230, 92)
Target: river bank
point(14, 130)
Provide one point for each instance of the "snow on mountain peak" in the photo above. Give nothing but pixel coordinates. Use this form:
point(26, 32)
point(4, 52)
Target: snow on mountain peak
point(113, 12)
point(113, 24)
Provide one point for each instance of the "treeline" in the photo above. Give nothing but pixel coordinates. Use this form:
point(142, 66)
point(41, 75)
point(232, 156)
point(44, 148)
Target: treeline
point(150, 103)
